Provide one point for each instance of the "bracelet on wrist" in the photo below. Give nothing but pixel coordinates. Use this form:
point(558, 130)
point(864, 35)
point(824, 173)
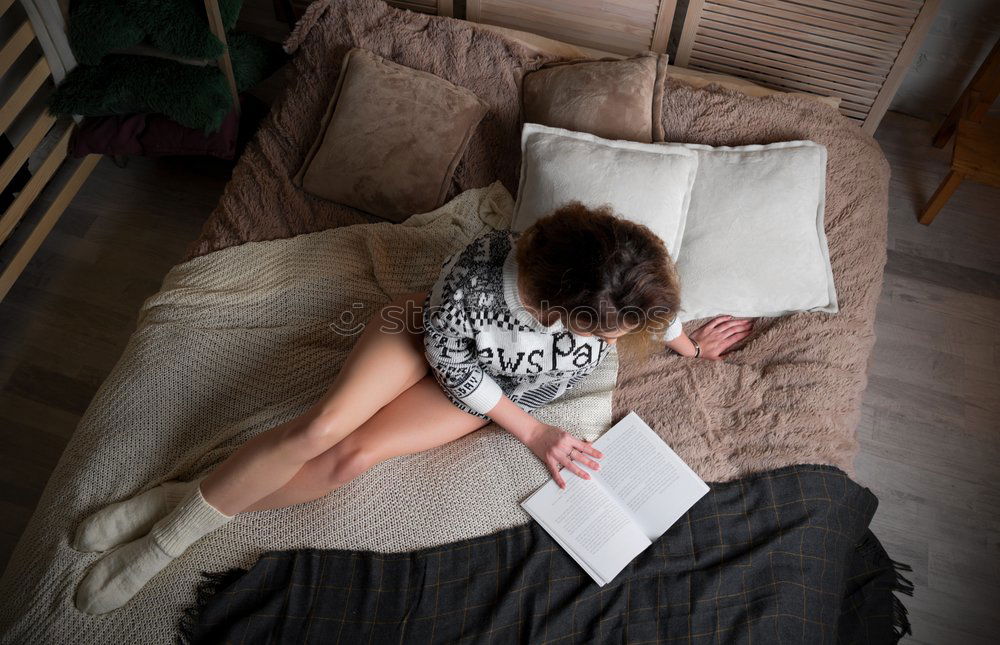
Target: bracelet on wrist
point(697, 348)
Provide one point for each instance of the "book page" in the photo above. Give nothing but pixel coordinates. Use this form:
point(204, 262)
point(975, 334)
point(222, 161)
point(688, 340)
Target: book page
point(645, 476)
point(589, 525)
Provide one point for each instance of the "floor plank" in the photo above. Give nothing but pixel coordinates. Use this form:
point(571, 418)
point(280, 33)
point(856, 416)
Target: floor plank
point(929, 429)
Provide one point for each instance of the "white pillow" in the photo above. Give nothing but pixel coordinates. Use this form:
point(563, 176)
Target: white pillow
point(643, 182)
point(754, 243)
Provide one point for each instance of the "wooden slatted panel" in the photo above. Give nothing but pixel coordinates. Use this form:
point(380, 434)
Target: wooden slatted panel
point(616, 26)
point(768, 18)
point(16, 44)
point(10, 271)
point(777, 43)
point(28, 86)
point(24, 148)
point(25, 90)
point(891, 7)
point(33, 188)
point(857, 50)
point(792, 72)
point(863, 77)
point(831, 13)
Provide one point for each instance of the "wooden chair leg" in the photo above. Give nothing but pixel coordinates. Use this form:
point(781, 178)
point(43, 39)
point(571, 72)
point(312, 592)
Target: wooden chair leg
point(947, 128)
point(940, 197)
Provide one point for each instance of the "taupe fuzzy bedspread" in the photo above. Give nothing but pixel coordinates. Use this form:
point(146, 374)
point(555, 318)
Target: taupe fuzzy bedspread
point(790, 395)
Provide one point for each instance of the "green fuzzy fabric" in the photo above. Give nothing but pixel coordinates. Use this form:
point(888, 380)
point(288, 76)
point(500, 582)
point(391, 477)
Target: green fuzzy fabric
point(254, 58)
point(192, 95)
point(178, 27)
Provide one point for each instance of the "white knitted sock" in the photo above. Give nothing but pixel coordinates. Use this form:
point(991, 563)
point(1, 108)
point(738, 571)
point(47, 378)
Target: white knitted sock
point(129, 519)
point(119, 575)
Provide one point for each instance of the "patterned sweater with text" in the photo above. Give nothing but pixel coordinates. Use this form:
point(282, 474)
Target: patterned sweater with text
point(482, 343)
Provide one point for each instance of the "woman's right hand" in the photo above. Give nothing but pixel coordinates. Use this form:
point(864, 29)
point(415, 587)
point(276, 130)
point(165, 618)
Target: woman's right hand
point(557, 448)
point(718, 335)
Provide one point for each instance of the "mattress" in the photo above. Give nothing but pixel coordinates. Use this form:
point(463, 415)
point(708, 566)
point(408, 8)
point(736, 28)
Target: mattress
point(789, 395)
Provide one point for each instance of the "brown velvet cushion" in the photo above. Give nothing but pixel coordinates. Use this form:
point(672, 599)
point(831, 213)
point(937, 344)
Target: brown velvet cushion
point(614, 99)
point(391, 138)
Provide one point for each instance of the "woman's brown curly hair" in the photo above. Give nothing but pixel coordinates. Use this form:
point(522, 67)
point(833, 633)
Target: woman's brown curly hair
point(600, 272)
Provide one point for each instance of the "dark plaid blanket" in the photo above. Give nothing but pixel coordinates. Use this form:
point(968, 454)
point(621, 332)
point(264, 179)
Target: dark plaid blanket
point(780, 557)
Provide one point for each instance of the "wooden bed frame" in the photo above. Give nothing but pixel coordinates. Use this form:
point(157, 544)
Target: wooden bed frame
point(615, 26)
point(858, 50)
point(855, 50)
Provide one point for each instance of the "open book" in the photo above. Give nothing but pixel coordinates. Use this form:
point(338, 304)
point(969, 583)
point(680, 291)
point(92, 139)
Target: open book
point(641, 489)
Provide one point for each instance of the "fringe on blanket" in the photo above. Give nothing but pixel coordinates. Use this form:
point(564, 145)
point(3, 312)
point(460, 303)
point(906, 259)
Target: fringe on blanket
point(188, 629)
point(901, 584)
point(890, 573)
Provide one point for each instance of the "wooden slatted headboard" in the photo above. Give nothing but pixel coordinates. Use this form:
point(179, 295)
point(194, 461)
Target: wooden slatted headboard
point(857, 50)
point(617, 26)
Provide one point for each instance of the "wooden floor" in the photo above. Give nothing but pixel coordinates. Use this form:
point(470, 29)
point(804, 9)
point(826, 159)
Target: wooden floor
point(930, 429)
point(65, 322)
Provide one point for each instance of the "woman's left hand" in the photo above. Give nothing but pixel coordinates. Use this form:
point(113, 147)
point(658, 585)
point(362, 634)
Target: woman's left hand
point(719, 334)
point(557, 449)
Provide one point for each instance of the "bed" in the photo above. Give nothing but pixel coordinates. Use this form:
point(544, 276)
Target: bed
point(433, 547)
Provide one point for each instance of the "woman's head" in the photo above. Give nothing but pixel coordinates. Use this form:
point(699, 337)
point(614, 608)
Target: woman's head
point(599, 273)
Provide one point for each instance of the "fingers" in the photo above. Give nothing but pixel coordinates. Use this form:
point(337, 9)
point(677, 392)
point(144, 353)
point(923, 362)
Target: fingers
point(743, 332)
point(580, 453)
point(733, 326)
point(566, 463)
point(732, 340)
point(733, 337)
point(587, 448)
point(713, 323)
point(721, 346)
point(562, 455)
point(722, 326)
point(553, 466)
point(576, 470)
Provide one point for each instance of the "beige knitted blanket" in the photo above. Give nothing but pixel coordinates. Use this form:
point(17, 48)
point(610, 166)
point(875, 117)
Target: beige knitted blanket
point(238, 341)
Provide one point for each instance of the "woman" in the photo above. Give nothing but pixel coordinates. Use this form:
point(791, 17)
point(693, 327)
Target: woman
point(512, 323)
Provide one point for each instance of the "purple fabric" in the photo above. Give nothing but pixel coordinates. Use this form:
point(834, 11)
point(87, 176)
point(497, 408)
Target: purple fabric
point(152, 135)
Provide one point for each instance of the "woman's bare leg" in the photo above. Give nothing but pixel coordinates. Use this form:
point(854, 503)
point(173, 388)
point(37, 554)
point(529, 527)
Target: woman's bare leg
point(418, 419)
point(383, 388)
point(386, 361)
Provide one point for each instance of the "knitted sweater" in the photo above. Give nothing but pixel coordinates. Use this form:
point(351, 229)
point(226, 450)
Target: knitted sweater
point(482, 343)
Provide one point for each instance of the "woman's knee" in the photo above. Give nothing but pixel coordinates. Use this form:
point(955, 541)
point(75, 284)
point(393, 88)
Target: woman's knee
point(348, 462)
point(314, 434)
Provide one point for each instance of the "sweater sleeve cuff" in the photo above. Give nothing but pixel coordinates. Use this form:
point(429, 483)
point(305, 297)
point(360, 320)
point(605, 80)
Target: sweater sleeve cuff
point(673, 331)
point(485, 397)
